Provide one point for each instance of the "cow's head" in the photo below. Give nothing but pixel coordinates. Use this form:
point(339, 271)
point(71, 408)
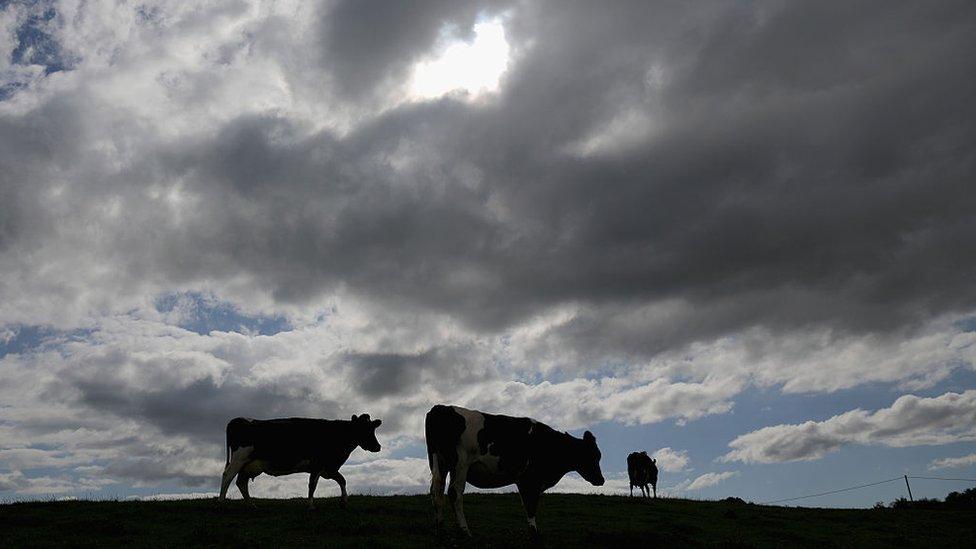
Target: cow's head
point(364, 431)
point(588, 460)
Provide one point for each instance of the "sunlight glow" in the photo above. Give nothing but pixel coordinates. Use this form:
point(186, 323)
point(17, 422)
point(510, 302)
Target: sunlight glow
point(474, 67)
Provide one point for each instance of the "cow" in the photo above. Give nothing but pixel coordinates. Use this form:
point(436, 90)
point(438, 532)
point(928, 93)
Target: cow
point(294, 445)
point(642, 470)
point(491, 451)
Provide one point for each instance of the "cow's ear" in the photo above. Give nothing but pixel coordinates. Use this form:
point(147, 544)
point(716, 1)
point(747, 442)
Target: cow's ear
point(355, 417)
point(377, 423)
point(588, 437)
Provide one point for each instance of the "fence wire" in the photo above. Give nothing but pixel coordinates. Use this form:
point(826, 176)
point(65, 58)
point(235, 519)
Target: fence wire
point(848, 489)
point(941, 478)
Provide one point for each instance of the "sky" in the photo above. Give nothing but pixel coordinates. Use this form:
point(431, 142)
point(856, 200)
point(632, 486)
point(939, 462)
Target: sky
point(737, 235)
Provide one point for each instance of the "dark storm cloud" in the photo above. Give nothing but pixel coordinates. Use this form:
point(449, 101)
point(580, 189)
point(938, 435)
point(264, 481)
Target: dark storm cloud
point(794, 164)
point(399, 374)
point(202, 407)
point(811, 164)
point(149, 470)
point(383, 373)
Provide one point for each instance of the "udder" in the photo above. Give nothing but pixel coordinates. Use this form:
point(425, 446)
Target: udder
point(484, 475)
point(258, 466)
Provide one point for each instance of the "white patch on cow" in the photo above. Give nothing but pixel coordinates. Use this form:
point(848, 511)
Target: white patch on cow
point(473, 423)
point(532, 523)
point(238, 459)
point(482, 469)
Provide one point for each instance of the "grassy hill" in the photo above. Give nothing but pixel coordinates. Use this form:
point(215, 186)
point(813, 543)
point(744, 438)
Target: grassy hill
point(566, 520)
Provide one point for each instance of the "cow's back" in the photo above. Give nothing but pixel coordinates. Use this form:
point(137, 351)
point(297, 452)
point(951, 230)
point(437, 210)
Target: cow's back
point(283, 442)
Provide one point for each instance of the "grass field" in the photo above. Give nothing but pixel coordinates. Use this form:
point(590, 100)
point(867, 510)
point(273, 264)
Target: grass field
point(496, 520)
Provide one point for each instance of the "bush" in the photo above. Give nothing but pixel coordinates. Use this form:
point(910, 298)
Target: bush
point(965, 499)
point(954, 500)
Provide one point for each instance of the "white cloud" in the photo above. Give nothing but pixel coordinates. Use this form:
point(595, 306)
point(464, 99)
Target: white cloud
point(953, 462)
point(144, 402)
point(172, 496)
point(711, 479)
point(46, 485)
point(909, 421)
point(671, 460)
point(616, 484)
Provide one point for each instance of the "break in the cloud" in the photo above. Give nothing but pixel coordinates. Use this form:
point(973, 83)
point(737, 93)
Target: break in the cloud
point(953, 462)
point(234, 207)
point(909, 421)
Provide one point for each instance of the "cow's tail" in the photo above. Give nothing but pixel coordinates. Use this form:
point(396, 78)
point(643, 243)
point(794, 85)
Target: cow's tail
point(236, 434)
point(227, 444)
point(430, 435)
point(442, 429)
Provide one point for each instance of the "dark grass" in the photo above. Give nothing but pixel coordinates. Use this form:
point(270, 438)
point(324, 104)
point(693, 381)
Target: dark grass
point(496, 520)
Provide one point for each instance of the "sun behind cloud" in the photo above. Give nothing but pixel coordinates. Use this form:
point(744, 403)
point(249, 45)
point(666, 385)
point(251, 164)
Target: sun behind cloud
point(474, 67)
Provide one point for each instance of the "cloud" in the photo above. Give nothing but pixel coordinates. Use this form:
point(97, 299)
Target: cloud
point(434, 206)
point(671, 460)
point(953, 462)
point(659, 207)
point(710, 479)
point(145, 402)
point(18, 482)
point(909, 421)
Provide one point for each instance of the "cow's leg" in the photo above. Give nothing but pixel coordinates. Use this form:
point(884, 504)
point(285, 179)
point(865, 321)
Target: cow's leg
point(341, 481)
point(631, 489)
point(313, 480)
point(455, 492)
point(655, 490)
point(530, 500)
point(242, 480)
point(237, 460)
point(437, 481)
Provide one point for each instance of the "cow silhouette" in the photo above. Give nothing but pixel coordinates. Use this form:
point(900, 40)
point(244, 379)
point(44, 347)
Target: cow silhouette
point(642, 470)
point(491, 451)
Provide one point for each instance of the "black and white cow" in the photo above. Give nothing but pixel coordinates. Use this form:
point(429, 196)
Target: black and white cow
point(490, 451)
point(294, 445)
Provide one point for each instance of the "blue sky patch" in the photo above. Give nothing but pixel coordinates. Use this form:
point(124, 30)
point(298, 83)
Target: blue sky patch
point(202, 314)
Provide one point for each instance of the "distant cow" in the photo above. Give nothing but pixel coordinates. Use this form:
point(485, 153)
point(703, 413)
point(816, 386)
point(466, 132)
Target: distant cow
point(642, 470)
point(294, 445)
point(490, 451)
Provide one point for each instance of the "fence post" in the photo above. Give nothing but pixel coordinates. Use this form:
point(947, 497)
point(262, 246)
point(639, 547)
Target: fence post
point(909, 486)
